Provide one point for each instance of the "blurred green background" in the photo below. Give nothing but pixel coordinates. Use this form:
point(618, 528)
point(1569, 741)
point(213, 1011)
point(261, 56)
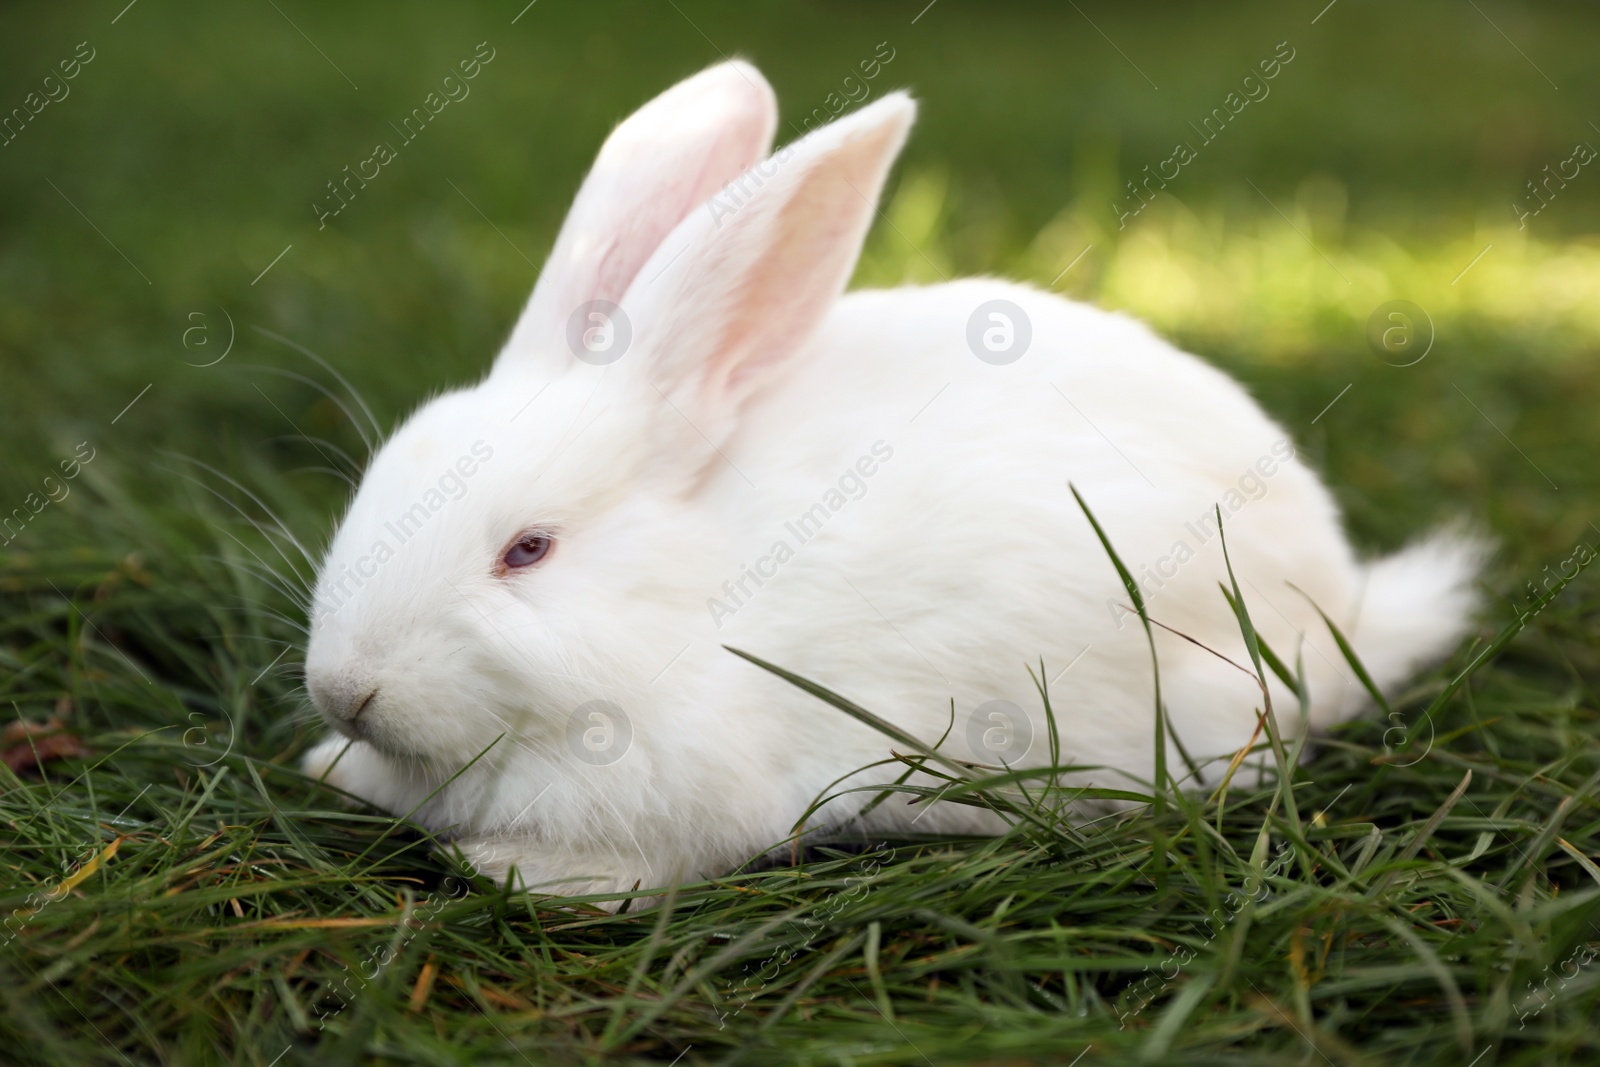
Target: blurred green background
point(190, 150)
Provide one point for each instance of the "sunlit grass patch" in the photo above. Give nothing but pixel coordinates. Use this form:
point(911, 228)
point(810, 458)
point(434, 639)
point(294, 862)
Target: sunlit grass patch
point(1275, 278)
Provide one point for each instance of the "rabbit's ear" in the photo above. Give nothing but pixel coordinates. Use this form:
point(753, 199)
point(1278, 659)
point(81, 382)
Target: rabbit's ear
point(660, 164)
point(742, 283)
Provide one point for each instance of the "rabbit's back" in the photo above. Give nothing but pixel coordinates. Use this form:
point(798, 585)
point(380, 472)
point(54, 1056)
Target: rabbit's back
point(963, 556)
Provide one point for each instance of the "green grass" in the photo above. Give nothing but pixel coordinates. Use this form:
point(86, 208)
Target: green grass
point(180, 893)
point(223, 907)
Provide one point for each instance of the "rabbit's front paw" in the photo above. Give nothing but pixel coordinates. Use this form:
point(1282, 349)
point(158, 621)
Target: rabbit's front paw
point(333, 760)
point(353, 767)
point(319, 759)
point(557, 873)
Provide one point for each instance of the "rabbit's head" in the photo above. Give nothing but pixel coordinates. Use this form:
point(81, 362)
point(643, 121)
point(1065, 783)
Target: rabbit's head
point(540, 541)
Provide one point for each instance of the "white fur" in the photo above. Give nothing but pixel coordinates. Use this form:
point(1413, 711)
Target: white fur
point(751, 388)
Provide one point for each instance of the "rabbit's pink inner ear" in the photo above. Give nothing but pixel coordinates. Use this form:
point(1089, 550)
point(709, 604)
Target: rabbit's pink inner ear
point(728, 300)
point(664, 161)
point(812, 251)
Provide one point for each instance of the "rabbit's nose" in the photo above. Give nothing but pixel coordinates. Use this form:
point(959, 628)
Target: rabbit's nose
point(342, 700)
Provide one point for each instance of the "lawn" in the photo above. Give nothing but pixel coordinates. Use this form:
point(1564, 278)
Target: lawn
point(195, 352)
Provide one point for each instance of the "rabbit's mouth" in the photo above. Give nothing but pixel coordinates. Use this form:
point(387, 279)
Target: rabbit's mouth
point(356, 730)
point(372, 723)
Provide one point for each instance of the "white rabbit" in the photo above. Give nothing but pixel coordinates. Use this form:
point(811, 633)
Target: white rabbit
point(540, 572)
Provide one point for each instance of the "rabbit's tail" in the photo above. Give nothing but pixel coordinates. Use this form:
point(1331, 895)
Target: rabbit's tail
point(1419, 604)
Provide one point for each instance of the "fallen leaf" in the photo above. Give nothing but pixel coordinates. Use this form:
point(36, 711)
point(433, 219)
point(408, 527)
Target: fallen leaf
point(27, 744)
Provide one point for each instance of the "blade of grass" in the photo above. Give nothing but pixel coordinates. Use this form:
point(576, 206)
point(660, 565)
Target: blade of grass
point(1162, 780)
point(1274, 736)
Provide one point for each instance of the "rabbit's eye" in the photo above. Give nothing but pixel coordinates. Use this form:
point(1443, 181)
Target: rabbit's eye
point(527, 550)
